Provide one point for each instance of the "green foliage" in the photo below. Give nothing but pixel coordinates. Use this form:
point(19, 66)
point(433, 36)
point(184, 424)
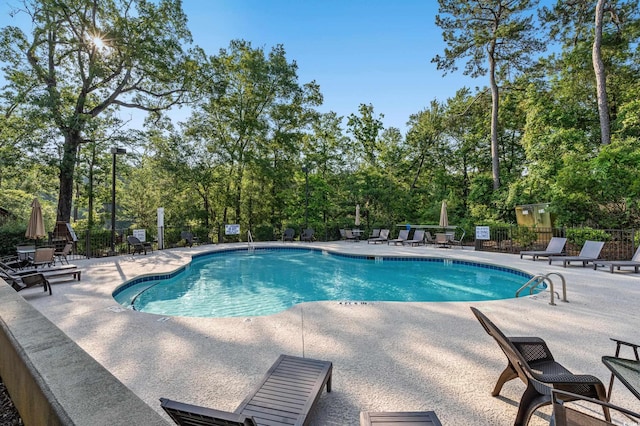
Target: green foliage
point(11, 234)
point(578, 236)
point(524, 235)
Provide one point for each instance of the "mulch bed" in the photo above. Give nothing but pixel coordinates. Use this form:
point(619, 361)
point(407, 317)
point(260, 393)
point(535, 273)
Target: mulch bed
point(8, 414)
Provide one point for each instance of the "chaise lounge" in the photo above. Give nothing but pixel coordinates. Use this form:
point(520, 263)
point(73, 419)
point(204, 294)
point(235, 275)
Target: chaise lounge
point(554, 248)
point(382, 238)
point(417, 239)
point(286, 396)
point(403, 236)
point(529, 359)
point(633, 263)
point(589, 253)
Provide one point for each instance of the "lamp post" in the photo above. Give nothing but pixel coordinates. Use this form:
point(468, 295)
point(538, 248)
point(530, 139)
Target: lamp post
point(305, 169)
point(114, 152)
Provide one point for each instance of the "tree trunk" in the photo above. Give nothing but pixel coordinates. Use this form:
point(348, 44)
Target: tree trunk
point(598, 68)
point(67, 167)
point(495, 159)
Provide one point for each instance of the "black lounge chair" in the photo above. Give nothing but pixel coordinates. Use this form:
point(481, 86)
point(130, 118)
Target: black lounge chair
point(138, 246)
point(565, 415)
point(285, 396)
point(530, 359)
point(383, 238)
point(633, 263)
point(307, 235)
point(403, 236)
point(554, 248)
point(417, 239)
point(590, 253)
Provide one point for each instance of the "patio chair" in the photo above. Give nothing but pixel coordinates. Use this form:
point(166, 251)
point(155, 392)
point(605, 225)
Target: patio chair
point(554, 248)
point(383, 238)
point(188, 238)
point(458, 242)
point(428, 238)
point(566, 415)
point(269, 403)
point(42, 256)
point(375, 233)
point(442, 240)
point(137, 245)
point(348, 235)
point(288, 234)
point(62, 254)
point(589, 253)
point(633, 263)
point(307, 235)
point(417, 239)
point(21, 282)
point(529, 359)
point(403, 236)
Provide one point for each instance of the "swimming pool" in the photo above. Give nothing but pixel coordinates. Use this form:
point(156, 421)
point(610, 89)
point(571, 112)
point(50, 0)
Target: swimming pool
point(231, 283)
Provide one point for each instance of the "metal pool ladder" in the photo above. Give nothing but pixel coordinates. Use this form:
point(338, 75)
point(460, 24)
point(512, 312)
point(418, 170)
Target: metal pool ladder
point(539, 279)
point(250, 246)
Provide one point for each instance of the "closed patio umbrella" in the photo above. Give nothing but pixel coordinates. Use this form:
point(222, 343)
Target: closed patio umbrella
point(444, 220)
point(35, 227)
point(357, 214)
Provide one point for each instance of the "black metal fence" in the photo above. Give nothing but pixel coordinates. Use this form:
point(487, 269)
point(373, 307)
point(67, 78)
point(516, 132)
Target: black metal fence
point(619, 243)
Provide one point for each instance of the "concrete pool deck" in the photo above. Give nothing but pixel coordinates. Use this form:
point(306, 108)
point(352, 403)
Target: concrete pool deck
point(387, 356)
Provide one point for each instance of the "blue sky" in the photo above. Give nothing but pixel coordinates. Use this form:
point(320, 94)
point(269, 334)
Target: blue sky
point(372, 52)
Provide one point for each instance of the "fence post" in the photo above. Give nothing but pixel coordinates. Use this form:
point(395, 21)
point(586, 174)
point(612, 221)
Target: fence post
point(87, 244)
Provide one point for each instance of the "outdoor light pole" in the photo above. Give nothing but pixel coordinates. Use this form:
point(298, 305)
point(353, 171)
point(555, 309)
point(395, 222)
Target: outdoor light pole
point(114, 151)
point(305, 169)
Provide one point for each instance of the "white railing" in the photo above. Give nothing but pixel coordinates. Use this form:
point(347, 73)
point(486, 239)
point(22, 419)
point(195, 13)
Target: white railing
point(534, 282)
point(250, 245)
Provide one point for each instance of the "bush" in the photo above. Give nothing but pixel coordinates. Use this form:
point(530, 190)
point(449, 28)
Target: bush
point(578, 236)
point(524, 235)
point(11, 234)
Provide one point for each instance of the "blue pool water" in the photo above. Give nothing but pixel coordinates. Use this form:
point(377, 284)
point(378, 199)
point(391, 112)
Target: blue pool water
point(267, 281)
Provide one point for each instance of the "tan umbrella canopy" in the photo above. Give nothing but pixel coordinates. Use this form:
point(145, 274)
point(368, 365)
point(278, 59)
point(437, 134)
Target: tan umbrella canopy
point(35, 227)
point(357, 214)
point(444, 220)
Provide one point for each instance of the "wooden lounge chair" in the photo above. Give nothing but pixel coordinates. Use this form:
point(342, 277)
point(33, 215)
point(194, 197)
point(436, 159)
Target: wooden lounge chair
point(307, 235)
point(403, 236)
point(565, 415)
point(554, 248)
point(589, 253)
point(408, 418)
point(383, 238)
point(288, 234)
point(417, 239)
point(285, 396)
point(138, 246)
point(617, 264)
point(529, 359)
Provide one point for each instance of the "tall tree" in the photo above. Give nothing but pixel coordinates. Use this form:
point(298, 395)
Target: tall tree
point(610, 26)
point(497, 33)
point(87, 56)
